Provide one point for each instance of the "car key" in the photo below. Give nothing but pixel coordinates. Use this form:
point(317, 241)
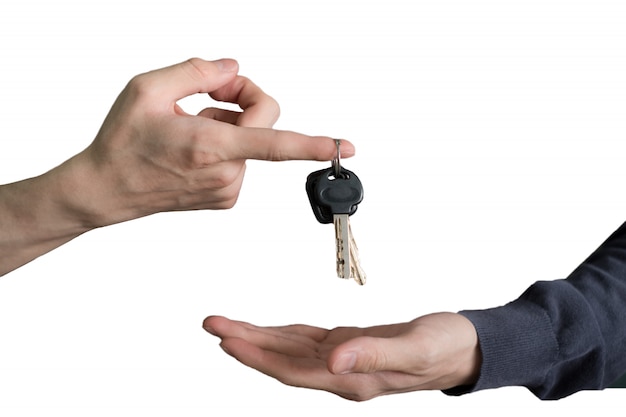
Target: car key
point(334, 194)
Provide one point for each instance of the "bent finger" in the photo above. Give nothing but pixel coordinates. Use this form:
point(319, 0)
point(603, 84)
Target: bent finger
point(259, 109)
point(222, 115)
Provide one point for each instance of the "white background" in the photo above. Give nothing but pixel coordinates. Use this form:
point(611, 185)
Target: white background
point(489, 141)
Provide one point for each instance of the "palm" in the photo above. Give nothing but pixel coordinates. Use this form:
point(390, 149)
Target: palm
point(304, 356)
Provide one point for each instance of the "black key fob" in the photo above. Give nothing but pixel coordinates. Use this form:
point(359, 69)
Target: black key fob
point(331, 194)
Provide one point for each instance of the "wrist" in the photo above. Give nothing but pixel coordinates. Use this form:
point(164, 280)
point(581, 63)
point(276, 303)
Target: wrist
point(34, 220)
point(469, 368)
point(87, 193)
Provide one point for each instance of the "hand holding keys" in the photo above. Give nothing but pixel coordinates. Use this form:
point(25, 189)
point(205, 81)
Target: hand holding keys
point(334, 194)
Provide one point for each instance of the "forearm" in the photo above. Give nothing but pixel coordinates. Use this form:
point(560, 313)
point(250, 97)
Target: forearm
point(560, 336)
point(40, 214)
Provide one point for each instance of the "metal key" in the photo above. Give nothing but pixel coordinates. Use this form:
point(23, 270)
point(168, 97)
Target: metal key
point(348, 262)
point(334, 194)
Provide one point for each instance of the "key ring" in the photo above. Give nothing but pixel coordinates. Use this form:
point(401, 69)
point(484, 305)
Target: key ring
point(336, 164)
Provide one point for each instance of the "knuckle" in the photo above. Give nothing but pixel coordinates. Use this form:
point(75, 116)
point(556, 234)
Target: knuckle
point(273, 149)
point(289, 378)
point(200, 156)
point(140, 86)
point(224, 178)
point(201, 159)
point(261, 98)
point(359, 397)
point(374, 362)
point(358, 390)
point(275, 107)
point(196, 68)
point(271, 104)
point(356, 396)
point(225, 204)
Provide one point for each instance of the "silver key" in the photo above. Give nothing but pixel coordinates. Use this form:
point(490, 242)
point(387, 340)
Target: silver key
point(348, 263)
point(342, 244)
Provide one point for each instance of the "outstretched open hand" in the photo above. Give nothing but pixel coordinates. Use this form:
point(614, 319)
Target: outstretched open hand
point(437, 351)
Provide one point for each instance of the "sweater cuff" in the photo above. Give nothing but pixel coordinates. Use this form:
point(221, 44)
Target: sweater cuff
point(517, 344)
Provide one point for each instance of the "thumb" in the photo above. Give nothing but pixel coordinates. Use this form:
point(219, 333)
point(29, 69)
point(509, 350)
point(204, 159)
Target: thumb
point(368, 355)
point(190, 77)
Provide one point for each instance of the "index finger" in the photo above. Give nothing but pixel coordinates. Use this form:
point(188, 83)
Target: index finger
point(283, 145)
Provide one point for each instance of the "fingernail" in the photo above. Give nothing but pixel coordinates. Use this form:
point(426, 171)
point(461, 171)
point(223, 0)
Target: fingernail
point(347, 149)
point(345, 363)
point(210, 330)
point(226, 65)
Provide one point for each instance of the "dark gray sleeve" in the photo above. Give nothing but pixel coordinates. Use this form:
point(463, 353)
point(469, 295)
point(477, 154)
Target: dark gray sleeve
point(562, 336)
